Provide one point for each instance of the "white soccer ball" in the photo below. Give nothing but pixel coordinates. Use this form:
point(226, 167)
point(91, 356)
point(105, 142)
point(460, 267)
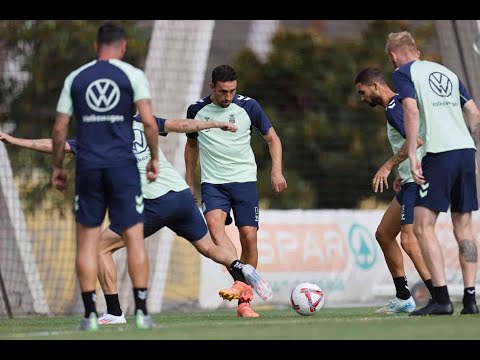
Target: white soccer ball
point(307, 299)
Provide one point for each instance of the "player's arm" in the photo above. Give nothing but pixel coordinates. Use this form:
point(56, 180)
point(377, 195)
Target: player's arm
point(40, 145)
point(150, 126)
point(189, 125)
point(275, 147)
point(381, 177)
point(191, 158)
point(59, 138)
point(407, 95)
point(412, 123)
point(472, 114)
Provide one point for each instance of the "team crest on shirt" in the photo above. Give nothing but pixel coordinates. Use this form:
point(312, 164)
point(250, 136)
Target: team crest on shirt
point(231, 118)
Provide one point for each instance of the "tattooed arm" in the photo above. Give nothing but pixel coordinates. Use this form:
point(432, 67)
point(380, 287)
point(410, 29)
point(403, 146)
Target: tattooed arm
point(381, 177)
point(472, 114)
point(188, 125)
point(41, 145)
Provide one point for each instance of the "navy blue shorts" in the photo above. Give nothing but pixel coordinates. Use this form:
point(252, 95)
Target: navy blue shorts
point(241, 197)
point(449, 180)
point(407, 197)
point(116, 189)
point(175, 210)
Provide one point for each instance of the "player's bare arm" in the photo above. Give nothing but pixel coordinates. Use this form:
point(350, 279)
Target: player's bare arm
point(275, 147)
point(189, 125)
point(59, 138)
point(412, 123)
point(40, 145)
point(191, 158)
point(381, 177)
point(472, 113)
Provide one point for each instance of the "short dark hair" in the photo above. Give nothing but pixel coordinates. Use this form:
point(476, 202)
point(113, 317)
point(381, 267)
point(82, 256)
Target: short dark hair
point(223, 73)
point(369, 75)
point(110, 33)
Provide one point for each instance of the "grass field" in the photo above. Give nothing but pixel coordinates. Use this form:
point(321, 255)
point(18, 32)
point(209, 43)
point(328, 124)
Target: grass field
point(354, 323)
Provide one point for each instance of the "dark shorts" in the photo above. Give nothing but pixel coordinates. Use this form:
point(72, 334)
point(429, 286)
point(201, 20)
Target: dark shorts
point(241, 197)
point(406, 197)
point(449, 180)
point(116, 189)
point(175, 210)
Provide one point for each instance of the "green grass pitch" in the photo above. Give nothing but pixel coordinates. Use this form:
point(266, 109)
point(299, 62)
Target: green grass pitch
point(352, 323)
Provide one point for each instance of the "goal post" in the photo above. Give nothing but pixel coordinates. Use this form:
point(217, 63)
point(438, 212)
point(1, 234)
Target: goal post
point(23, 292)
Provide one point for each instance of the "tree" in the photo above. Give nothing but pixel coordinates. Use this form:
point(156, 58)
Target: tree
point(42, 53)
point(333, 144)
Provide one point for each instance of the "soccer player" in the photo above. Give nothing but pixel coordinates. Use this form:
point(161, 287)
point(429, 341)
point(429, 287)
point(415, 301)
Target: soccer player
point(229, 171)
point(168, 202)
point(433, 98)
point(103, 95)
point(398, 218)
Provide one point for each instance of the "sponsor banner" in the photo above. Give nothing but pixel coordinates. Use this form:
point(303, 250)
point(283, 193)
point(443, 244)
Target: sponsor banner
point(336, 249)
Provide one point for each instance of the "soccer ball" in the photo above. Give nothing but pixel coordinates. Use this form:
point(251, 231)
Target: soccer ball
point(307, 299)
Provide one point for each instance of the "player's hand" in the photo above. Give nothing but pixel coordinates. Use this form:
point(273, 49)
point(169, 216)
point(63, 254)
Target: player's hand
point(5, 138)
point(192, 190)
point(227, 126)
point(417, 171)
point(397, 184)
point(153, 170)
point(278, 183)
point(60, 179)
point(381, 179)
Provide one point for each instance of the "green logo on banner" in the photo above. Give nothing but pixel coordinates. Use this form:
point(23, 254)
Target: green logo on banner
point(363, 246)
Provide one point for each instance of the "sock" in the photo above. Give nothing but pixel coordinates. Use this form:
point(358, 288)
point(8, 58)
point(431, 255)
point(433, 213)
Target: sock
point(401, 286)
point(469, 295)
point(440, 294)
point(236, 271)
point(428, 283)
point(89, 299)
point(237, 274)
point(113, 304)
point(140, 295)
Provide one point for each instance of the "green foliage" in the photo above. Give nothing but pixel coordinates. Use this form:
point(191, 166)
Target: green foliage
point(46, 51)
point(332, 143)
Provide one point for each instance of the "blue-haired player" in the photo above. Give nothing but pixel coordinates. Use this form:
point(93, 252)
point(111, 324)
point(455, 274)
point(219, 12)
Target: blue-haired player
point(398, 218)
point(433, 98)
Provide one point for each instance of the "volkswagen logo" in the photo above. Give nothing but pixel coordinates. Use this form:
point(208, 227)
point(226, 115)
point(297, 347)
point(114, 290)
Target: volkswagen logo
point(139, 142)
point(102, 95)
point(440, 84)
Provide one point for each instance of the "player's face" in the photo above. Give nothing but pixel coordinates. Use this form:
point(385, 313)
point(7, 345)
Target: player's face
point(223, 92)
point(368, 94)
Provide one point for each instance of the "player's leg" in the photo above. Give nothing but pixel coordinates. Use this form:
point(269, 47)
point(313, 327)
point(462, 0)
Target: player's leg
point(90, 208)
point(408, 239)
point(155, 213)
point(126, 212)
point(182, 216)
point(86, 265)
point(462, 228)
point(216, 208)
point(433, 198)
point(110, 242)
point(386, 235)
point(246, 212)
point(463, 202)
